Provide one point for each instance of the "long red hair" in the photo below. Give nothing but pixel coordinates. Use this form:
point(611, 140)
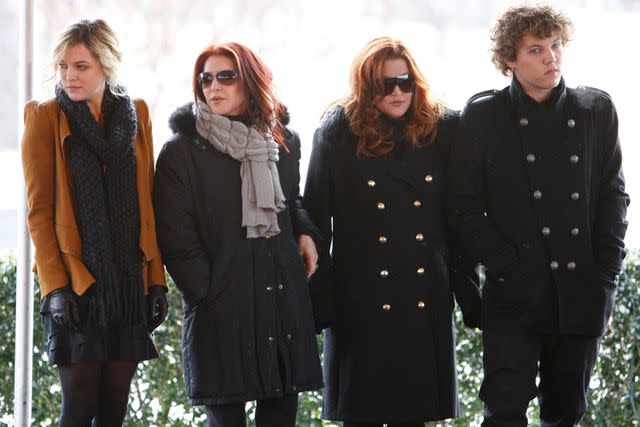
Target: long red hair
point(263, 109)
point(366, 81)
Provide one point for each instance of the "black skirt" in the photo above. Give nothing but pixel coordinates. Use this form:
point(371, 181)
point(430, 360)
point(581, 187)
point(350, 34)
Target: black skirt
point(91, 343)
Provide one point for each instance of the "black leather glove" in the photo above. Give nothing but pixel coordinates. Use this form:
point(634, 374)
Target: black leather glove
point(157, 306)
point(64, 308)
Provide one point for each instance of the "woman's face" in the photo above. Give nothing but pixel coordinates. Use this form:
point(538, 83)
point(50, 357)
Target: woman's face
point(226, 98)
point(397, 103)
point(81, 75)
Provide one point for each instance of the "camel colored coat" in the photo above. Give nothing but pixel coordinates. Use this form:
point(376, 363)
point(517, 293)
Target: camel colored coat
point(51, 217)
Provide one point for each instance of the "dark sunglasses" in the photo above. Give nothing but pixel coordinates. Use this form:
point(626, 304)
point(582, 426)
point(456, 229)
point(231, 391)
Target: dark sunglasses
point(405, 82)
point(225, 77)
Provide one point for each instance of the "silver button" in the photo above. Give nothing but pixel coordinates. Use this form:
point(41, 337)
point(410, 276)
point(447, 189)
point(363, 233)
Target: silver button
point(386, 307)
point(289, 336)
point(269, 288)
point(537, 194)
point(380, 206)
point(420, 271)
point(421, 305)
point(267, 236)
point(371, 183)
point(571, 266)
point(281, 286)
point(531, 157)
point(428, 178)
point(270, 339)
point(571, 123)
point(575, 196)
point(546, 231)
point(524, 121)
point(417, 203)
point(382, 240)
point(554, 265)
point(419, 237)
point(575, 232)
point(574, 159)
point(384, 273)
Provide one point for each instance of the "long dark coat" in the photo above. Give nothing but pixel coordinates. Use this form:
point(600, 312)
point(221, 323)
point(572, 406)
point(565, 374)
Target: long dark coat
point(385, 290)
point(248, 328)
point(537, 196)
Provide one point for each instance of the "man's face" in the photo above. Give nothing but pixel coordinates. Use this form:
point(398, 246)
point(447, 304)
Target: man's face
point(537, 65)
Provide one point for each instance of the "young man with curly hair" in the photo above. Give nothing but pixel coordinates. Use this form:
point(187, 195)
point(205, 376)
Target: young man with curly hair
point(537, 196)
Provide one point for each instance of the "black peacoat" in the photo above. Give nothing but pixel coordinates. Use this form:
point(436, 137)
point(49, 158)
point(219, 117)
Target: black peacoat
point(538, 197)
point(385, 291)
point(248, 328)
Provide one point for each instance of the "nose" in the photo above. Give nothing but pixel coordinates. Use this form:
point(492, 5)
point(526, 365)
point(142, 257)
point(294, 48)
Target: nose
point(69, 73)
point(396, 90)
point(550, 56)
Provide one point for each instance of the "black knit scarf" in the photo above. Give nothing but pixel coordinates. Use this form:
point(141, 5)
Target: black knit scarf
point(103, 169)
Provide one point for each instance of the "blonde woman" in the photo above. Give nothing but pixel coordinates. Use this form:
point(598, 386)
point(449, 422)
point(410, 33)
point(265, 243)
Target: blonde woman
point(88, 165)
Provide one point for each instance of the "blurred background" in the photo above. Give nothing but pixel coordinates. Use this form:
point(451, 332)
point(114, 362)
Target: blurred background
point(309, 46)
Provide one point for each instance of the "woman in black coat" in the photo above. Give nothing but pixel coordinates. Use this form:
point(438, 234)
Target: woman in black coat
point(376, 189)
point(229, 214)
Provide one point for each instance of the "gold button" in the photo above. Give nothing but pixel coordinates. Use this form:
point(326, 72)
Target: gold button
point(428, 178)
point(371, 183)
point(382, 240)
point(421, 304)
point(380, 206)
point(420, 271)
point(386, 307)
point(384, 273)
point(419, 237)
point(417, 203)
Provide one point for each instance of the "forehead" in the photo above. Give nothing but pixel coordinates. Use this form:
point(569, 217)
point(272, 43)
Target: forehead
point(394, 67)
point(77, 53)
point(531, 40)
point(217, 63)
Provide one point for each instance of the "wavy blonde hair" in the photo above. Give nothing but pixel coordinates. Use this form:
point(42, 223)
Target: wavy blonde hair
point(98, 37)
point(375, 138)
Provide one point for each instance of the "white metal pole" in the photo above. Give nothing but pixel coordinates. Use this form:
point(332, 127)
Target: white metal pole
point(24, 277)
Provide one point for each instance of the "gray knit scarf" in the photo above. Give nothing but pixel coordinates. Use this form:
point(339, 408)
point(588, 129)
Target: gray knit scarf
point(262, 196)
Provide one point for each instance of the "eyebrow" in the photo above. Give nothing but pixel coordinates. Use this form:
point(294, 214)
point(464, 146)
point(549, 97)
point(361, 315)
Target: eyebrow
point(559, 39)
point(75, 63)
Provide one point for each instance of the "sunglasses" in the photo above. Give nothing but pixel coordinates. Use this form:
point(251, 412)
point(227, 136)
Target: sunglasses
point(225, 77)
point(404, 82)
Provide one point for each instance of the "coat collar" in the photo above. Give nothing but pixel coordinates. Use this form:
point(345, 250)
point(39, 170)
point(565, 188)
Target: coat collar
point(526, 104)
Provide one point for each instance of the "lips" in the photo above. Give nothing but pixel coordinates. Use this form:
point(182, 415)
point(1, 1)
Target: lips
point(217, 98)
point(552, 71)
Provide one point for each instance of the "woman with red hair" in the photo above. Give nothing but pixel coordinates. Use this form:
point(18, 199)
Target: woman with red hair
point(231, 227)
point(376, 188)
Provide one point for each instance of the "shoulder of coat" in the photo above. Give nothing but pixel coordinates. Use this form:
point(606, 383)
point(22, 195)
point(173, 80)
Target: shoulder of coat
point(483, 96)
point(334, 123)
point(589, 97)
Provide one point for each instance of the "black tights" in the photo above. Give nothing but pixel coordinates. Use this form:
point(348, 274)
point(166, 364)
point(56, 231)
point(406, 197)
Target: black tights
point(280, 412)
point(95, 394)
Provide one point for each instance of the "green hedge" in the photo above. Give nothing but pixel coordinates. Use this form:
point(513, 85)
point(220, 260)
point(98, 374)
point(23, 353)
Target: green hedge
point(158, 397)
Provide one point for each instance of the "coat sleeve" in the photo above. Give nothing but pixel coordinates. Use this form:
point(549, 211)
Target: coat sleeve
point(463, 274)
point(177, 226)
point(318, 203)
point(610, 219)
point(38, 165)
point(155, 269)
point(478, 236)
point(300, 221)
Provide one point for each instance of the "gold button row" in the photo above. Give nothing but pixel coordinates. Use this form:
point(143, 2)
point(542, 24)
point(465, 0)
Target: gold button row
point(421, 306)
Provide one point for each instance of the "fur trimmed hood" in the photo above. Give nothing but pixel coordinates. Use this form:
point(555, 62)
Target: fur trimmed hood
point(184, 122)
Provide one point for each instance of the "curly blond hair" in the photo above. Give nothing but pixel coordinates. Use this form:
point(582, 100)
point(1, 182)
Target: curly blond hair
point(540, 21)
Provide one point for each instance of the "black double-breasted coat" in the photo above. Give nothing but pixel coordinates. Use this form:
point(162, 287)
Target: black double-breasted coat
point(248, 327)
point(538, 197)
point(385, 291)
